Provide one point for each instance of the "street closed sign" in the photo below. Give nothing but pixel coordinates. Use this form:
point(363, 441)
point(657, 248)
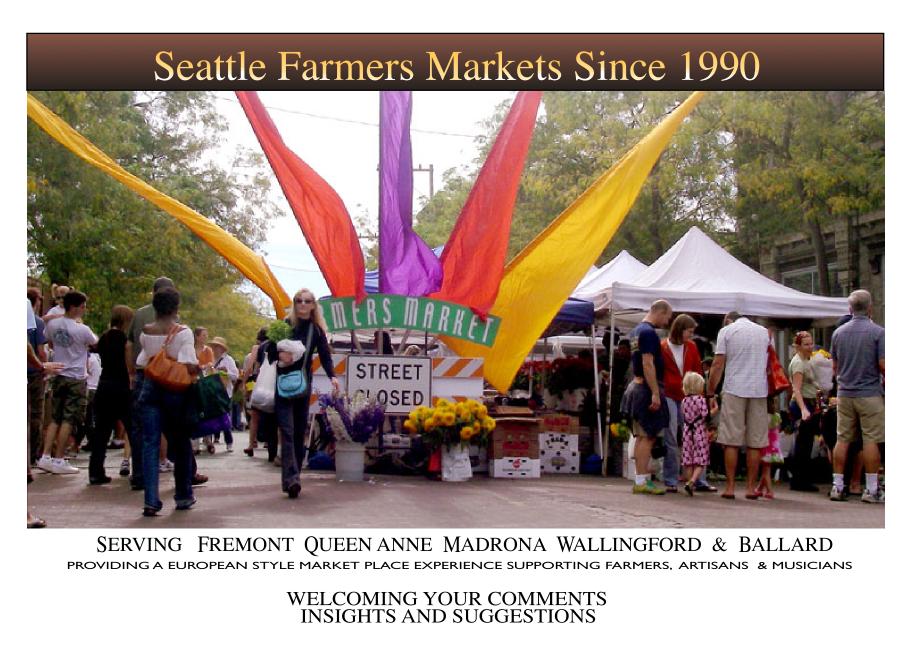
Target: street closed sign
point(400, 383)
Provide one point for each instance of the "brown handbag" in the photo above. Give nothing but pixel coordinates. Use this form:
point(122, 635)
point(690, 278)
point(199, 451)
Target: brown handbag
point(167, 372)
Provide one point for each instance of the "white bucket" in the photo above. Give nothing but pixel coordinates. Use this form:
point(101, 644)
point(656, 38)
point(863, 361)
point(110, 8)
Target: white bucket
point(456, 463)
point(348, 461)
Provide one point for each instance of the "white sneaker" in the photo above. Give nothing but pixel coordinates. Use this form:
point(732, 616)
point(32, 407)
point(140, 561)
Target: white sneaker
point(61, 466)
point(878, 497)
point(837, 495)
point(45, 463)
point(166, 466)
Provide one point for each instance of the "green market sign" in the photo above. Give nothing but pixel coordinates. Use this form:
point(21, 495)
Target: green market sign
point(415, 313)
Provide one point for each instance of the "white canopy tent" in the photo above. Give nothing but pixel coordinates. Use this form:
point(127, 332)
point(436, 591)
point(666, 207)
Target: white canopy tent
point(697, 275)
point(596, 285)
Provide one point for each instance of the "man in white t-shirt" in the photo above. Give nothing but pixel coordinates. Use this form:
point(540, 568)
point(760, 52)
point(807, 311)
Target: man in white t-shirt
point(71, 342)
point(741, 349)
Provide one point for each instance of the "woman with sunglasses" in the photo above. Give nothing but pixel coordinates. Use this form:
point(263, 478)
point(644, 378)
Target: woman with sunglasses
point(293, 413)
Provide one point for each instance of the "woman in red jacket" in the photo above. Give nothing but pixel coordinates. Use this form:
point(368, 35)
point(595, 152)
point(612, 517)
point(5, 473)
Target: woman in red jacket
point(679, 356)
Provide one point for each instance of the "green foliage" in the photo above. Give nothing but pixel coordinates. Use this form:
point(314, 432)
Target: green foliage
point(278, 331)
point(87, 230)
point(802, 159)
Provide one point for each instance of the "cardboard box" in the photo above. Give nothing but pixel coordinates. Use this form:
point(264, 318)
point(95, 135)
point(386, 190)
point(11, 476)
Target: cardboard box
point(560, 422)
point(559, 453)
point(519, 467)
point(515, 437)
point(503, 410)
point(559, 462)
point(556, 441)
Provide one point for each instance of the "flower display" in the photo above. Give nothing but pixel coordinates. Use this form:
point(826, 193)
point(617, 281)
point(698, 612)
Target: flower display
point(569, 374)
point(353, 419)
point(451, 423)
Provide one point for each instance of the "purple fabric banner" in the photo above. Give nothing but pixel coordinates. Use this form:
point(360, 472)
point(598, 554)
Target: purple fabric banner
point(406, 264)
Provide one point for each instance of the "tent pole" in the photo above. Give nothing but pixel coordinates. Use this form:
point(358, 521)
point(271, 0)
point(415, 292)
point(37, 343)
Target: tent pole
point(611, 348)
point(595, 375)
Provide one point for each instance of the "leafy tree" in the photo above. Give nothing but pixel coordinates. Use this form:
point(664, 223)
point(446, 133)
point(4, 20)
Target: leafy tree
point(87, 230)
point(802, 160)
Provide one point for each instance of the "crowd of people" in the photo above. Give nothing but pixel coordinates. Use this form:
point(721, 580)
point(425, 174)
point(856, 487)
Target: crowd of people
point(731, 404)
point(114, 391)
point(111, 390)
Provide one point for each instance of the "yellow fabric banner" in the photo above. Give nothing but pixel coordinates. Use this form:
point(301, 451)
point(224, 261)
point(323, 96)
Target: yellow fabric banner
point(229, 247)
point(537, 282)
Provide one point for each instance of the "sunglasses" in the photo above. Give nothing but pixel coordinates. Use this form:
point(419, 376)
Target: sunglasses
point(303, 300)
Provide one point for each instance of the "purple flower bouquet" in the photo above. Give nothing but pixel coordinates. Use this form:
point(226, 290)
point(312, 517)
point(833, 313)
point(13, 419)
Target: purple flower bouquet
point(353, 419)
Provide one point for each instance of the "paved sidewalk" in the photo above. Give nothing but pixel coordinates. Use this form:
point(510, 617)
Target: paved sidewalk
point(245, 492)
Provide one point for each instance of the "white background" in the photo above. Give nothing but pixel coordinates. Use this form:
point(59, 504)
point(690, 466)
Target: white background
point(44, 602)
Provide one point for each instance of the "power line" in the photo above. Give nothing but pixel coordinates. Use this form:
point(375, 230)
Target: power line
point(357, 122)
point(294, 269)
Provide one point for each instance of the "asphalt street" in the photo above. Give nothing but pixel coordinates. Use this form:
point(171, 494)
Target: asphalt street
point(245, 492)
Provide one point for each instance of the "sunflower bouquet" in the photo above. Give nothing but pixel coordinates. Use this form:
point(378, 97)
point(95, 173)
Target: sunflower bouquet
point(451, 423)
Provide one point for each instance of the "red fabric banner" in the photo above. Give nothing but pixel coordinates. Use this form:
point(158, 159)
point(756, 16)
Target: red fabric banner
point(319, 210)
point(476, 252)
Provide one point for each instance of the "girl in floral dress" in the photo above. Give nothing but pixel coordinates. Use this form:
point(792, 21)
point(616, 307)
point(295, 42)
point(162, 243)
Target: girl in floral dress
point(696, 449)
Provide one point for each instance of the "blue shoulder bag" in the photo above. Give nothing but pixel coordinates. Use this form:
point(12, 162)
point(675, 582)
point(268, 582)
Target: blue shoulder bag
point(295, 383)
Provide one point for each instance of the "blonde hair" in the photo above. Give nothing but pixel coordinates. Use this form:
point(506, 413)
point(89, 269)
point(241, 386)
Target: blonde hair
point(693, 383)
point(317, 317)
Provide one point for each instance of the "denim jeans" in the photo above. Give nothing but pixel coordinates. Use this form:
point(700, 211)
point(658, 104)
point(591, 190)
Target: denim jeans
point(671, 465)
point(135, 432)
point(165, 412)
point(292, 416)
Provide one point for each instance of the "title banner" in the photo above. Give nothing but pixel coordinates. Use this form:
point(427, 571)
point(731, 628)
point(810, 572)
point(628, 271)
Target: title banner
point(455, 61)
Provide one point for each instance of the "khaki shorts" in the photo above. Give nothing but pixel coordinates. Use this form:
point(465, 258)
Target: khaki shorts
point(869, 412)
point(743, 422)
point(640, 432)
point(68, 400)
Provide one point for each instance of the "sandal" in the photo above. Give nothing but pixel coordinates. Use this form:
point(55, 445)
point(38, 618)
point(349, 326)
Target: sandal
point(728, 496)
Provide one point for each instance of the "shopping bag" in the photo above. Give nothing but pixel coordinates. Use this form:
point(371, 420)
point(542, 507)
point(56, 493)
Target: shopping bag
point(212, 405)
point(263, 394)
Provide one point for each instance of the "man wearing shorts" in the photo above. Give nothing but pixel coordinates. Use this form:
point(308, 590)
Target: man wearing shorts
point(643, 400)
point(741, 353)
point(71, 341)
point(858, 349)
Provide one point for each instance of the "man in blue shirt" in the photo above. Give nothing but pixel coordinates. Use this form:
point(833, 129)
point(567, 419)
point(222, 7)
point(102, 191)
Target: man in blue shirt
point(858, 349)
point(643, 400)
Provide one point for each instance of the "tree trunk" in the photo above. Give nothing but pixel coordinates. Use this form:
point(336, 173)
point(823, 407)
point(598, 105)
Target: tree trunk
point(821, 259)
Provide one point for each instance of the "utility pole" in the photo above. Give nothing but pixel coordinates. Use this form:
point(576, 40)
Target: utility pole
point(420, 169)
